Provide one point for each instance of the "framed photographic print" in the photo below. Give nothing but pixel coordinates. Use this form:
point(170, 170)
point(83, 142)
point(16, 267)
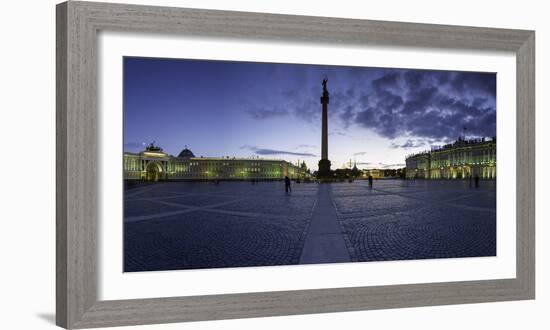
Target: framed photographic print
point(216, 165)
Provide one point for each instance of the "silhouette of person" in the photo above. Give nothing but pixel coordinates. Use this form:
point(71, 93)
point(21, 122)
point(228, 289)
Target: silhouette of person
point(477, 181)
point(470, 181)
point(287, 184)
point(370, 181)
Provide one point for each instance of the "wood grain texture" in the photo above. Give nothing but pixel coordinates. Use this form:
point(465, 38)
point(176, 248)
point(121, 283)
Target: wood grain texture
point(77, 141)
point(200, 22)
point(77, 190)
point(61, 167)
point(525, 165)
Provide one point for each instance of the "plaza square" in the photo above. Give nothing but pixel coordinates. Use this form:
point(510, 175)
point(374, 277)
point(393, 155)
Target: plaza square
point(190, 225)
point(243, 176)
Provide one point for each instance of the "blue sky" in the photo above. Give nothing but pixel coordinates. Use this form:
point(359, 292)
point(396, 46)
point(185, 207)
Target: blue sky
point(377, 116)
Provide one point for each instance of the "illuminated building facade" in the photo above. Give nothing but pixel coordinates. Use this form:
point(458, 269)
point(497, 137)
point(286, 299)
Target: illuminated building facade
point(461, 159)
point(153, 164)
point(374, 172)
point(385, 173)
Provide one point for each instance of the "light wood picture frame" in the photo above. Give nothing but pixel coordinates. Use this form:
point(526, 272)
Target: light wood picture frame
point(77, 27)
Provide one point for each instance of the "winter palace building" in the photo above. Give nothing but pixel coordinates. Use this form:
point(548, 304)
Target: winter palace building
point(461, 159)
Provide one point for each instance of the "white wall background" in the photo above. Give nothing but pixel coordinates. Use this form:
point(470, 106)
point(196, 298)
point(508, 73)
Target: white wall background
point(27, 166)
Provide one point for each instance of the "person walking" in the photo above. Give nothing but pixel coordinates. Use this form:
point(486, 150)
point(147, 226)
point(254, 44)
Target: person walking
point(476, 180)
point(370, 181)
point(287, 185)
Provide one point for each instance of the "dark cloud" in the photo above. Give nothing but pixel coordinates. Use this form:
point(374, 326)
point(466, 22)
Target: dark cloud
point(305, 104)
point(347, 116)
point(264, 152)
point(388, 81)
point(420, 100)
point(361, 153)
point(307, 110)
point(429, 104)
point(398, 103)
point(465, 82)
point(408, 144)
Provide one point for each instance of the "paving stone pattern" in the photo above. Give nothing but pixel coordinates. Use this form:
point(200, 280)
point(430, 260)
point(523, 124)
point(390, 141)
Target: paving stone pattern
point(190, 225)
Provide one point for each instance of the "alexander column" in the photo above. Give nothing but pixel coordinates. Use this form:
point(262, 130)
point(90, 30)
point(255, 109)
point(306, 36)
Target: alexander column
point(324, 163)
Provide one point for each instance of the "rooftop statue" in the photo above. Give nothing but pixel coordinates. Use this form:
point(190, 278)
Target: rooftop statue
point(152, 147)
point(325, 85)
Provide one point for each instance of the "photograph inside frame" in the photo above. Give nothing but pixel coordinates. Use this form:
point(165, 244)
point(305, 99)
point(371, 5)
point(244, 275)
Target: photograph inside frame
point(236, 164)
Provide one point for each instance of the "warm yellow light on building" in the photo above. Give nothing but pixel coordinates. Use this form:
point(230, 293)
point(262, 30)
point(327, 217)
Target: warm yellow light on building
point(458, 160)
point(140, 166)
point(154, 154)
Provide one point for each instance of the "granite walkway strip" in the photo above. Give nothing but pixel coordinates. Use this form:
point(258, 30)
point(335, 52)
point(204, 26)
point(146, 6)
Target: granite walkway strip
point(324, 242)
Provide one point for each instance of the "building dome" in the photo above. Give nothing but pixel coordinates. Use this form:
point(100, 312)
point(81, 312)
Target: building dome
point(186, 153)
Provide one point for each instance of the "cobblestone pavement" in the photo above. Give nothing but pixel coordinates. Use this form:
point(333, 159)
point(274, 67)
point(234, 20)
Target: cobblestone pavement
point(399, 220)
point(203, 225)
point(177, 225)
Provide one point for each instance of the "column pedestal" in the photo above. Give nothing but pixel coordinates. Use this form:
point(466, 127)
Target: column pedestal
point(324, 169)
